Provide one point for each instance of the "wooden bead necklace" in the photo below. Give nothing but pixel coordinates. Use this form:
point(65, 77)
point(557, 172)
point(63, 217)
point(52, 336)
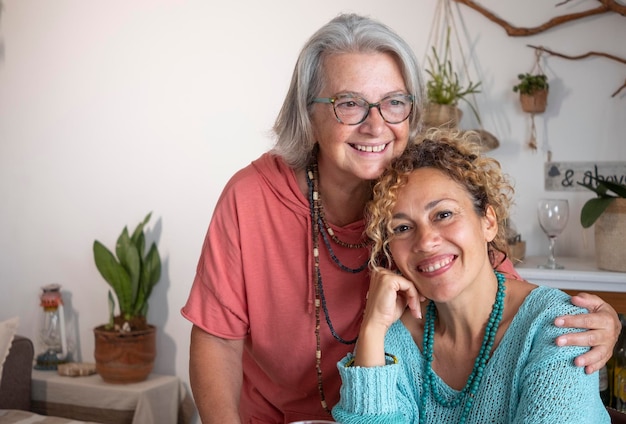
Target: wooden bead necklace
point(320, 226)
point(471, 387)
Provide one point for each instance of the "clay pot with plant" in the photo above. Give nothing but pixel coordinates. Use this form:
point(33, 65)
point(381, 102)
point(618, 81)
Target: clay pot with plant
point(125, 347)
point(608, 212)
point(533, 90)
point(444, 91)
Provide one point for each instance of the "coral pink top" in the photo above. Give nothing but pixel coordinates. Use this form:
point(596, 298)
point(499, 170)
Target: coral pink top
point(255, 282)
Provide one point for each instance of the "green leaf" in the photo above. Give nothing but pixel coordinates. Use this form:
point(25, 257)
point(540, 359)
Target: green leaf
point(152, 266)
point(604, 187)
point(110, 269)
point(150, 275)
point(599, 190)
point(619, 189)
point(592, 210)
point(129, 258)
point(138, 237)
point(530, 83)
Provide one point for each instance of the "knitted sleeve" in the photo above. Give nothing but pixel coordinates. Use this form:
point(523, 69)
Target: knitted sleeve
point(369, 395)
point(552, 388)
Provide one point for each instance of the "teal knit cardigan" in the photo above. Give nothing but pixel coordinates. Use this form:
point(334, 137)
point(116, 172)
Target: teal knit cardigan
point(527, 380)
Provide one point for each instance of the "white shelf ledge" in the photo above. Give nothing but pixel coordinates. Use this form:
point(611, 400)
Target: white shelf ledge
point(578, 274)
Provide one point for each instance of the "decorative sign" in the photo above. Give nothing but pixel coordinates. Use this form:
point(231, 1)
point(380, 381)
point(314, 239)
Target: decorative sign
point(565, 176)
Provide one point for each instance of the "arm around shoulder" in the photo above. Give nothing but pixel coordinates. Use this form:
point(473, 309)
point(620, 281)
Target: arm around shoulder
point(602, 327)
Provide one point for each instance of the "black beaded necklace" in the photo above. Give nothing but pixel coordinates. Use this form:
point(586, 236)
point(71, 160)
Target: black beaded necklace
point(319, 225)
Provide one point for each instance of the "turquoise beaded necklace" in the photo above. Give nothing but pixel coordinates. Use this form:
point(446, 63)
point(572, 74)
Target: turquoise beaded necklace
point(471, 387)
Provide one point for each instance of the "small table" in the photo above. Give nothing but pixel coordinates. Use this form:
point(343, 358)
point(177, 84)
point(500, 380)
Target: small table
point(161, 399)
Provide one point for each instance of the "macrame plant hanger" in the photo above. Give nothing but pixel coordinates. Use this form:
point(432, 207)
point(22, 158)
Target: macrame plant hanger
point(536, 69)
point(444, 25)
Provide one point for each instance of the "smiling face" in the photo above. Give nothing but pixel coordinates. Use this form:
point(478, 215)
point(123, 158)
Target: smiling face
point(361, 150)
point(440, 241)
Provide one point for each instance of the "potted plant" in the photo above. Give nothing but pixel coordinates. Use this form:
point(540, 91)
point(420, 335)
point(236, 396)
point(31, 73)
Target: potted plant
point(533, 89)
point(125, 347)
point(608, 212)
point(444, 90)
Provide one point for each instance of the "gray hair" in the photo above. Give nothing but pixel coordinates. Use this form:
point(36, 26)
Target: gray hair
point(347, 33)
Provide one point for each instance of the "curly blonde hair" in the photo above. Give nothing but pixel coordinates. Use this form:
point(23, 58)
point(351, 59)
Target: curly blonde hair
point(457, 155)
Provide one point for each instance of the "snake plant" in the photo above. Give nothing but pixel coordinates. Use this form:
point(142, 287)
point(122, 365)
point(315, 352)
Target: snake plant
point(131, 275)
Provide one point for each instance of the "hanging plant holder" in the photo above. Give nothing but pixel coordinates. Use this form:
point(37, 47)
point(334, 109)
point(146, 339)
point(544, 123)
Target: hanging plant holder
point(533, 91)
point(535, 102)
point(445, 88)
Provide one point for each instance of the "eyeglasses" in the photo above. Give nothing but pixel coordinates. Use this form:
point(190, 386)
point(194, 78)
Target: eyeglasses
point(352, 110)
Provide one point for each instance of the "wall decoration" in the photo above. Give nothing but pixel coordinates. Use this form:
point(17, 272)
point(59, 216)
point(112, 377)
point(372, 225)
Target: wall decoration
point(445, 87)
point(606, 6)
point(533, 90)
point(565, 176)
point(584, 56)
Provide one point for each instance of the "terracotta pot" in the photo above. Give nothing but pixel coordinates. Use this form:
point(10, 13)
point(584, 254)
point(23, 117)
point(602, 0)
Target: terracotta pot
point(124, 357)
point(442, 116)
point(534, 103)
point(610, 233)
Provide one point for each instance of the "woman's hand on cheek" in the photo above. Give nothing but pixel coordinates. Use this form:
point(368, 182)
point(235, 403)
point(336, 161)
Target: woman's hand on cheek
point(388, 297)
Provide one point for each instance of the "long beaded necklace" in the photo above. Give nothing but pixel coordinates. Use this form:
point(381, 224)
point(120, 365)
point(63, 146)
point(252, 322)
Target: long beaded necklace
point(471, 387)
point(319, 225)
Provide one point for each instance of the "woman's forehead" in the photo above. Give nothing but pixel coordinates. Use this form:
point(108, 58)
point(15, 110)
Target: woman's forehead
point(357, 72)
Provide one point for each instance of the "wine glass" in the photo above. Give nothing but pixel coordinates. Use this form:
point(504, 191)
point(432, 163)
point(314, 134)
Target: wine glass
point(552, 214)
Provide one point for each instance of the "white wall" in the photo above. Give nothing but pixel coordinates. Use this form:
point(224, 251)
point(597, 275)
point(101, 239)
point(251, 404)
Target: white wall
point(112, 109)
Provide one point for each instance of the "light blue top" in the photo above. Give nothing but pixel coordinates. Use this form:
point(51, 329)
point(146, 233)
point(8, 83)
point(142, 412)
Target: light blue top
point(527, 380)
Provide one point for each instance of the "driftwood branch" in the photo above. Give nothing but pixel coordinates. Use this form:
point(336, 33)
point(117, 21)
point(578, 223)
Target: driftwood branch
point(606, 6)
point(584, 56)
point(619, 89)
point(514, 31)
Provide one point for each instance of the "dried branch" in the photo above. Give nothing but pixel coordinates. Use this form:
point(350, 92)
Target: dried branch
point(583, 56)
point(605, 7)
point(619, 89)
point(513, 31)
